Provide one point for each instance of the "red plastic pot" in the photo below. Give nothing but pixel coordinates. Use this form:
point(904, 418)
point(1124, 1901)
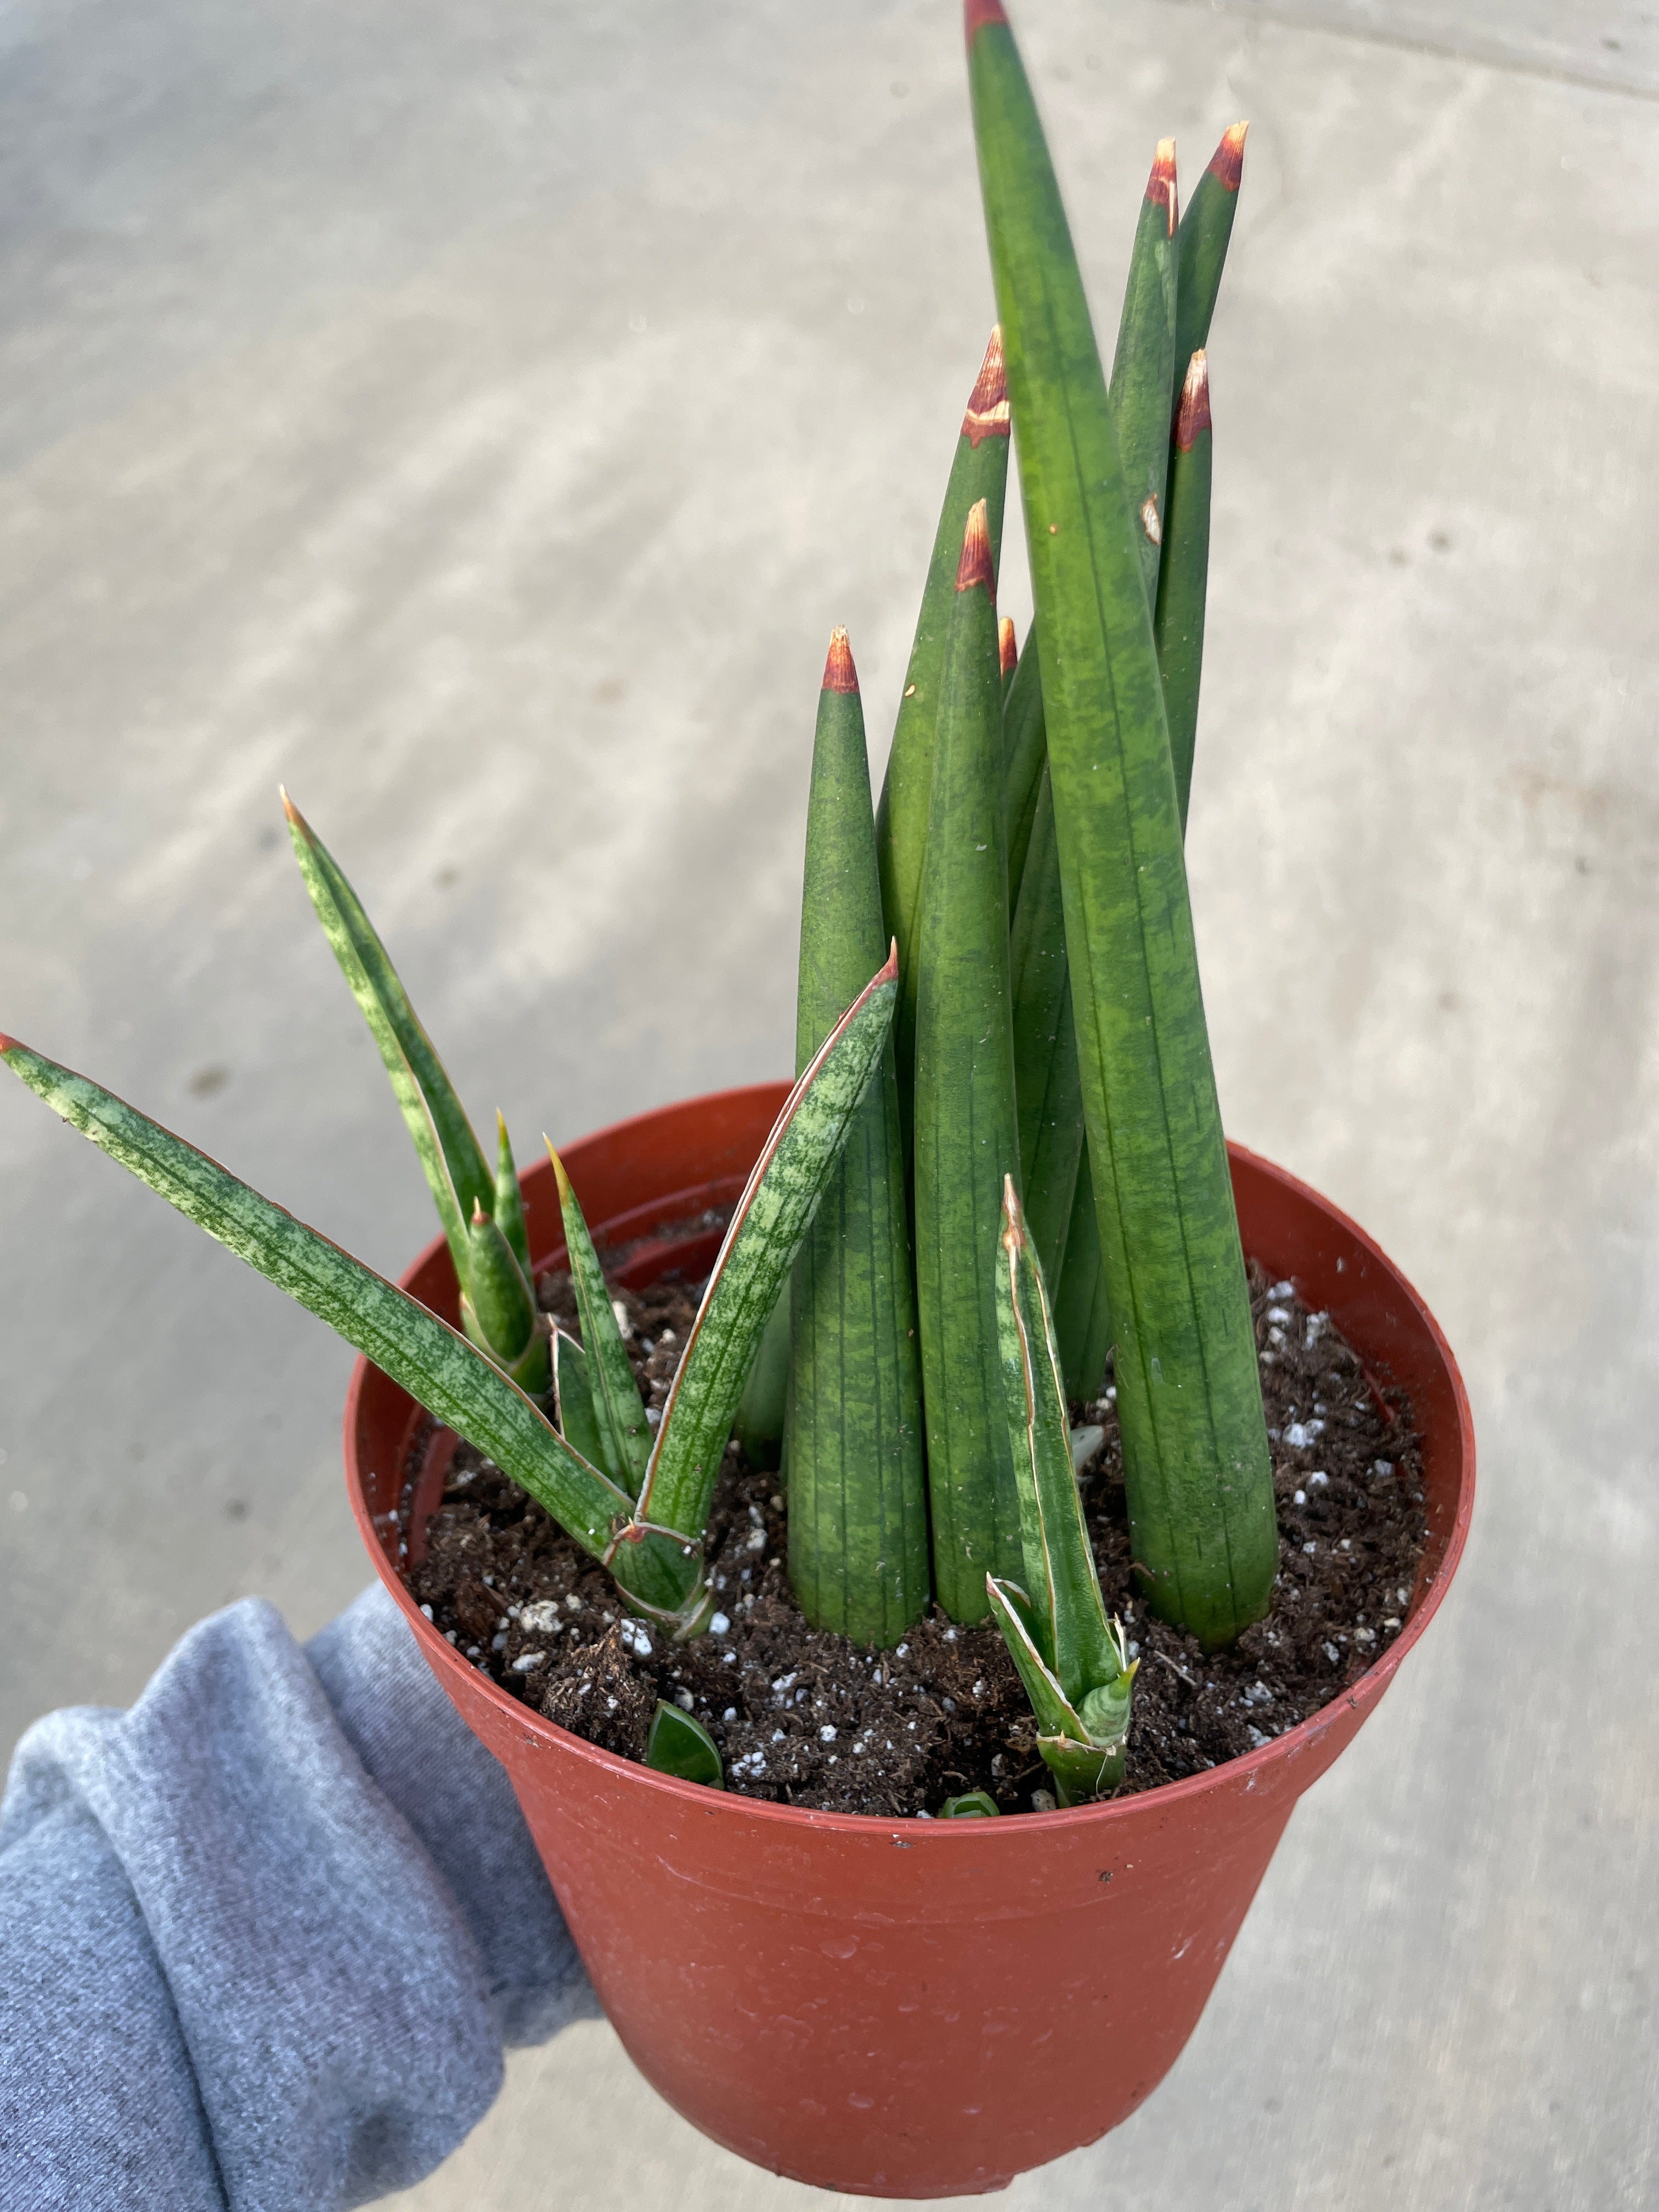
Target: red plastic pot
point(904, 2009)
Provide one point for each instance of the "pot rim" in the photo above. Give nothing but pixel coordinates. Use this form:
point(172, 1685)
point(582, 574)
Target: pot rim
point(1243, 1771)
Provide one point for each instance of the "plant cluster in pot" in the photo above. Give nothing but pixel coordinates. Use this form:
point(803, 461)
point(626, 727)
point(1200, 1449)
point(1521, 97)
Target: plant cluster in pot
point(1001, 1166)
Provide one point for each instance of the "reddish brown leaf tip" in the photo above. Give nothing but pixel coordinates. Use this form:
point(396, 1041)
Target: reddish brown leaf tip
point(1007, 650)
point(988, 403)
point(478, 1215)
point(9, 1044)
point(1194, 412)
point(1227, 163)
point(975, 566)
point(976, 13)
point(839, 673)
point(890, 973)
point(290, 809)
point(1161, 184)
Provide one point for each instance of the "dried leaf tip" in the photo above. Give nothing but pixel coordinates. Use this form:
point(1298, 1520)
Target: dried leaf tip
point(974, 567)
point(1194, 413)
point(976, 13)
point(988, 403)
point(1007, 649)
point(839, 673)
point(296, 820)
point(1227, 163)
point(1013, 1221)
point(8, 1044)
point(1161, 184)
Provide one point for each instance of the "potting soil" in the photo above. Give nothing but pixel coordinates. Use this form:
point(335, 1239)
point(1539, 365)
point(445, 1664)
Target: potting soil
point(804, 1716)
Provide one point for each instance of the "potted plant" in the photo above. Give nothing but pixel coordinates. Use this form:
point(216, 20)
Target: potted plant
point(1001, 1162)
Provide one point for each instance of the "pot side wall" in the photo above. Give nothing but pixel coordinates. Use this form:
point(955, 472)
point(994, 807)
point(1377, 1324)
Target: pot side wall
point(909, 2009)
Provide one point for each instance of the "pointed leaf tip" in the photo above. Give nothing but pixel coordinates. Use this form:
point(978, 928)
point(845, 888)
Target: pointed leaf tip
point(987, 415)
point(1161, 188)
point(976, 565)
point(978, 13)
point(1007, 646)
point(1227, 163)
point(839, 673)
point(1194, 415)
point(559, 1175)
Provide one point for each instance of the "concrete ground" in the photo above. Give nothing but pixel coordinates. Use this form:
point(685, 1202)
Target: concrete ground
point(476, 418)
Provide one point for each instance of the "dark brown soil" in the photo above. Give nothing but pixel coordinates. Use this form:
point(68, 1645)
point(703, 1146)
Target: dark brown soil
point(804, 1717)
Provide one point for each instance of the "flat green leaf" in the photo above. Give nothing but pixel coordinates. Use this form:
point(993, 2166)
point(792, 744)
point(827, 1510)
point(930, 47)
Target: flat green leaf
point(1189, 1398)
point(617, 1406)
point(767, 1230)
point(454, 1165)
point(1081, 1768)
point(433, 1362)
point(680, 1745)
point(1012, 1610)
point(573, 1399)
point(1068, 1620)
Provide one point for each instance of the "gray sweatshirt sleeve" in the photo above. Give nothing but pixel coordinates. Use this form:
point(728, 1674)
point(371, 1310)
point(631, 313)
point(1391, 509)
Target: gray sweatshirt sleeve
point(263, 1937)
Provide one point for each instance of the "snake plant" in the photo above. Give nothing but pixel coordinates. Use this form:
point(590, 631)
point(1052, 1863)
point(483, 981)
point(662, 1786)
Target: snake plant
point(1004, 1076)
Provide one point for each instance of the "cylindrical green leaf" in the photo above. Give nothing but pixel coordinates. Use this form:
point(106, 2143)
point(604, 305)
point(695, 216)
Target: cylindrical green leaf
point(858, 1506)
point(498, 1311)
point(1178, 625)
point(617, 1406)
point(979, 472)
point(759, 1426)
point(1083, 1319)
point(1046, 1085)
point(1141, 366)
point(1189, 1396)
point(1008, 648)
point(1025, 755)
point(967, 1135)
point(1202, 239)
point(509, 1199)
